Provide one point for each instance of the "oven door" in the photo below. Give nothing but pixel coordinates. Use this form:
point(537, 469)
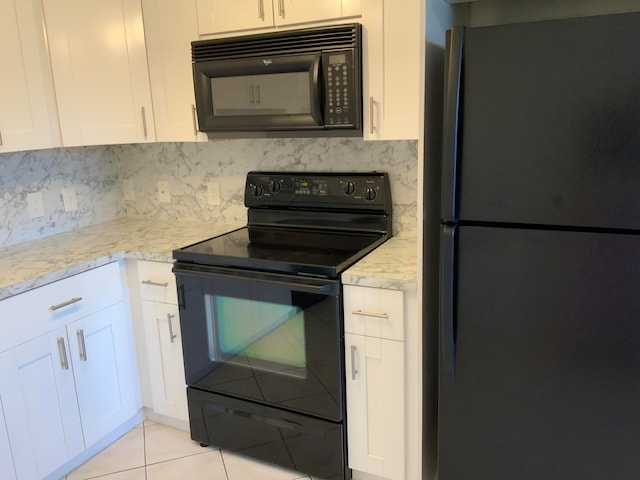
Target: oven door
point(272, 339)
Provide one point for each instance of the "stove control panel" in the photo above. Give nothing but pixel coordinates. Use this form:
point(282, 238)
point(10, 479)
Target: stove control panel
point(319, 190)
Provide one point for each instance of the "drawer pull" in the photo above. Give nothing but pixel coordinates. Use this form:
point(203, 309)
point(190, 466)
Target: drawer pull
point(81, 346)
point(172, 337)
point(53, 308)
point(155, 284)
point(64, 363)
point(354, 370)
point(370, 314)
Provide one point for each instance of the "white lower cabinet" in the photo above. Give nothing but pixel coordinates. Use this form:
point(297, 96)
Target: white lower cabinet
point(375, 369)
point(161, 340)
point(75, 383)
point(6, 458)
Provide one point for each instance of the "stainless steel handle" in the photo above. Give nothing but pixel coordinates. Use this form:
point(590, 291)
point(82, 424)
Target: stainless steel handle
point(354, 370)
point(58, 306)
point(0, 138)
point(257, 87)
point(370, 314)
point(281, 8)
point(261, 9)
point(372, 126)
point(172, 337)
point(155, 284)
point(252, 95)
point(195, 122)
point(144, 122)
point(64, 363)
point(81, 346)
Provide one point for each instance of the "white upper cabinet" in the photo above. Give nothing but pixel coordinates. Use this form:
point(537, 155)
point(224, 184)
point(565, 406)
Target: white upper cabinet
point(220, 16)
point(99, 63)
point(28, 116)
point(170, 27)
point(217, 16)
point(391, 69)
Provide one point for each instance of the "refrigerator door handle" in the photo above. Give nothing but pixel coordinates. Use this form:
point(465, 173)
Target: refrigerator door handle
point(447, 300)
point(453, 79)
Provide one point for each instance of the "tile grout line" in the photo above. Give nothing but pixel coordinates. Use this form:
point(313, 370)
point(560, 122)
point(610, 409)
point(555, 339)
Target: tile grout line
point(144, 444)
point(224, 464)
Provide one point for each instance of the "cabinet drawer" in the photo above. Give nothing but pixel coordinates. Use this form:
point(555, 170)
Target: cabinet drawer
point(43, 309)
point(374, 312)
point(157, 282)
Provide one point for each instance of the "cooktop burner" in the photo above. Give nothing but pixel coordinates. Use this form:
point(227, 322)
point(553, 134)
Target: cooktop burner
point(314, 224)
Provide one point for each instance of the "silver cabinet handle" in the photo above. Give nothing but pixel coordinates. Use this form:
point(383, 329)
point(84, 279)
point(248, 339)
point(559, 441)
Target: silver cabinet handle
point(64, 363)
point(144, 122)
point(354, 371)
point(281, 8)
point(155, 284)
point(172, 337)
point(372, 126)
point(252, 95)
point(195, 122)
point(370, 314)
point(261, 9)
point(257, 87)
point(1, 139)
point(58, 306)
point(81, 346)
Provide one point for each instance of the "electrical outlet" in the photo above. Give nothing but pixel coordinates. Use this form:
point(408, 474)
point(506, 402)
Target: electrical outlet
point(69, 199)
point(36, 205)
point(213, 193)
point(164, 196)
point(128, 190)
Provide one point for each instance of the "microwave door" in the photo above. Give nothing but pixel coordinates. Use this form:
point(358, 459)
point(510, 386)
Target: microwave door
point(262, 93)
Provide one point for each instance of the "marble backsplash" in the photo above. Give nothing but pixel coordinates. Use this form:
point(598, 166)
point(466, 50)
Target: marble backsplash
point(96, 173)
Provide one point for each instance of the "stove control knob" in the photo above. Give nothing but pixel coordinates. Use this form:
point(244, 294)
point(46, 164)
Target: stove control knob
point(349, 188)
point(274, 186)
point(370, 193)
point(256, 190)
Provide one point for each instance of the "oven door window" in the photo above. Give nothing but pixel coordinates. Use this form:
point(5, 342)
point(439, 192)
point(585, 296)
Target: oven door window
point(272, 339)
point(266, 336)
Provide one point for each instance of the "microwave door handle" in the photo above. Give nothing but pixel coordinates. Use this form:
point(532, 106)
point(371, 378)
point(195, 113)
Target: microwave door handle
point(316, 110)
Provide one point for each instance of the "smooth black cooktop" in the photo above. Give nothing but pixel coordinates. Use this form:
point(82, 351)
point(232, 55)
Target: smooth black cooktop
point(282, 250)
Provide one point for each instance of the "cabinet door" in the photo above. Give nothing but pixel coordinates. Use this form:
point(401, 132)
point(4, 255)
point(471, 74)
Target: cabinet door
point(218, 16)
point(164, 351)
point(6, 458)
point(28, 116)
point(391, 64)
point(40, 406)
point(170, 26)
point(102, 354)
point(288, 12)
point(99, 64)
point(375, 405)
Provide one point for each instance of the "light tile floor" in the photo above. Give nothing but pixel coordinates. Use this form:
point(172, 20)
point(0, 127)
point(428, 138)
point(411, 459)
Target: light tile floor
point(153, 451)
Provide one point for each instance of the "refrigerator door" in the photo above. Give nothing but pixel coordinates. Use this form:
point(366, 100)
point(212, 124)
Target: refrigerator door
point(540, 356)
point(549, 123)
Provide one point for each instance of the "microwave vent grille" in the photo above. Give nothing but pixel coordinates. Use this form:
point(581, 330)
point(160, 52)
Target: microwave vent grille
point(278, 43)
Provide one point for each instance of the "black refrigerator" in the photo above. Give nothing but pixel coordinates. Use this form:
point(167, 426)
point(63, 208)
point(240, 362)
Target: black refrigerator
point(539, 272)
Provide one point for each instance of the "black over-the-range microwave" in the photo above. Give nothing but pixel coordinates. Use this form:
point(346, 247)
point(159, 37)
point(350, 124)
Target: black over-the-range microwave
point(306, 80)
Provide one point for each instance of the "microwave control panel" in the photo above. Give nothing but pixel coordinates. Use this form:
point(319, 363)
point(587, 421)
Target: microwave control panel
point(340, 89)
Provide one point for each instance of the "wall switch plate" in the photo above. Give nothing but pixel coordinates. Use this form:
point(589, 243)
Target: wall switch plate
point(69, 199)
point(164, 196)
point(36, 205)
point(128, 190)
point(213, 193)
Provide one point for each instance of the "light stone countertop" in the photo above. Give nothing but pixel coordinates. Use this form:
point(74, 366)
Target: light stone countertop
point(35, 263)
point(392, 265)
point(38, 262)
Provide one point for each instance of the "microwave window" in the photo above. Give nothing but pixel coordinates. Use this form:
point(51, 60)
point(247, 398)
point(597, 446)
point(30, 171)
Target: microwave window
point(273, 94)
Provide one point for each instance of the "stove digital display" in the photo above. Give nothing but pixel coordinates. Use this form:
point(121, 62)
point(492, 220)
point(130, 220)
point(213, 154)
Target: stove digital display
point(317, 188)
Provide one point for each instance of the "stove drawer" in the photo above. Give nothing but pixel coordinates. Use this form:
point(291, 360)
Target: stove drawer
point(374, 312)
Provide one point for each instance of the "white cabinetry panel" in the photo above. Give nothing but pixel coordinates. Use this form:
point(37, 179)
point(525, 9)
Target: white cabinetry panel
point(99, 64)
point(215, 16)
point(6, 457)
point(28, 116)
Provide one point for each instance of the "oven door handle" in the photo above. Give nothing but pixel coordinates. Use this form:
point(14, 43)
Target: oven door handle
point(301, 284)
